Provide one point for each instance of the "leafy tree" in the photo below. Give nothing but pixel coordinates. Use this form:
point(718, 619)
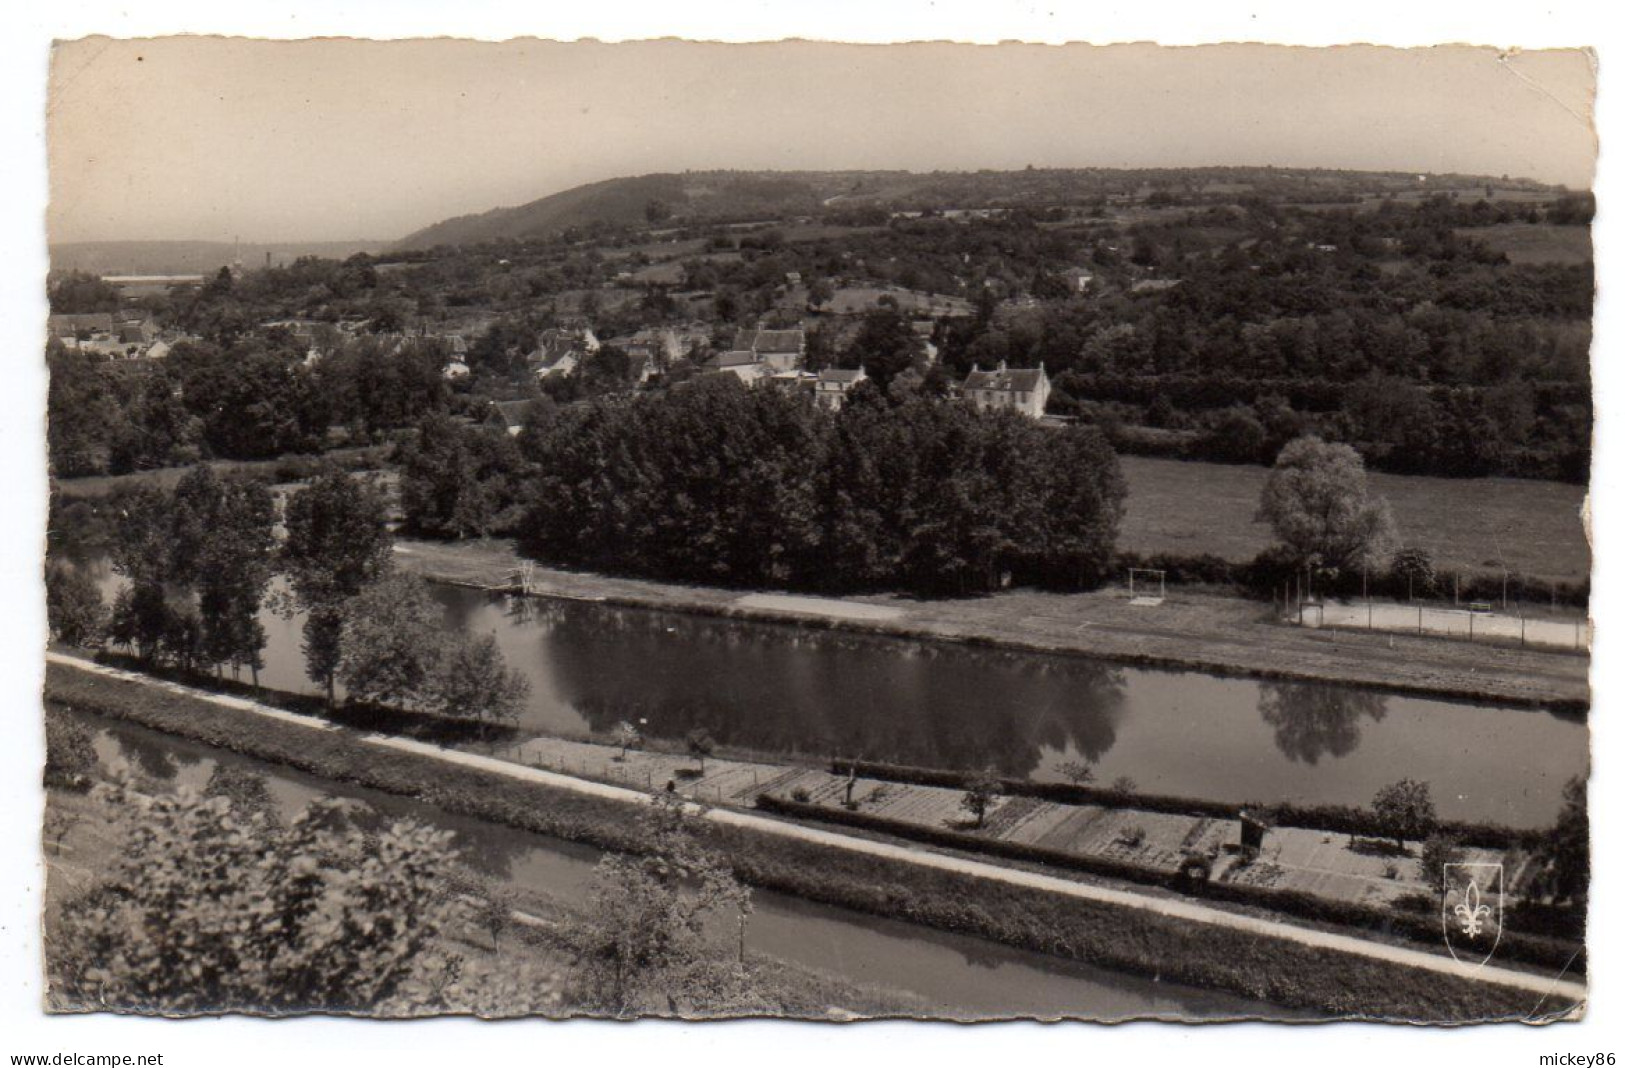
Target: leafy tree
point(254, 400)
point(980, 793)
point(1317, 502)
point(458, 481)
point(700, 745)
point(647, 935)
point(222, 547)
point(1413, 568)
point(211, 909)
point(884, 346)
point(1405, 810)
point(1236, 436)
point(627, 736)
point(715, 482)
point(1564, 853)
point(83, 412)
point(70, 755)
point(392, 642)
point(73, 604)
point(473, 681)
point(337, 544)
point(79, 292)
point(1438, 851)
point(144, 618)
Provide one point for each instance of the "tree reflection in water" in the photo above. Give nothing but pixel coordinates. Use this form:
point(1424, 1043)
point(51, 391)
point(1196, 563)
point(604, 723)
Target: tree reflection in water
point(789, 689)
point(1313, 721)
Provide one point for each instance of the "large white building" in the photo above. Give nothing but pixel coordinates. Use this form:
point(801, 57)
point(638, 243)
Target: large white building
point(1025, 389)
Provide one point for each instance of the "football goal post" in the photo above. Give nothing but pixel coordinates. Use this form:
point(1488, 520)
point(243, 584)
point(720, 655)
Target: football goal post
point(1147, 585)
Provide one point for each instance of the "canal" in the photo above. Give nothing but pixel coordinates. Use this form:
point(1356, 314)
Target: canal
point(958, 976)
point(781, 688)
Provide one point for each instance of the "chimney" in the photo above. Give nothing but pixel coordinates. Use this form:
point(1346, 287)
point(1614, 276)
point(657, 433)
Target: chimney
point(1002, 367)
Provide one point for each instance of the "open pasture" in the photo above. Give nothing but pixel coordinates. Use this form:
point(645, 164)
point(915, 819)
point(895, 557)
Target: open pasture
point(1186, 507)
point(1528, 243)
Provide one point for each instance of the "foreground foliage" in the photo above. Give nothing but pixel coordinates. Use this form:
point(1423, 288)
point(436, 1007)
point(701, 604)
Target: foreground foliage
point(649, 942)
point(213, 906)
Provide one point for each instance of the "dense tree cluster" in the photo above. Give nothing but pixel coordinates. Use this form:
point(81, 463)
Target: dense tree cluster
point(198, 561)
point(255, 397)
point(459, 481)
point(397, 651)
point(716, 482)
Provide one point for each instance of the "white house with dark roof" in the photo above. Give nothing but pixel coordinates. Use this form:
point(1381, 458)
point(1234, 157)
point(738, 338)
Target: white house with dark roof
point(1023, 389)
point(833, 384)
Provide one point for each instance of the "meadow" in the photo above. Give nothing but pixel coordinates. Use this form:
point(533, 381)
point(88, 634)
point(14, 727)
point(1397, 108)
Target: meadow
point(1531, 243)
point(1469, 524)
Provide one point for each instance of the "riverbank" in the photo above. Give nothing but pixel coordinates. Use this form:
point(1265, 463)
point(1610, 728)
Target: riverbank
point(518, 967)
point(1161, 935)
point(1191, 629)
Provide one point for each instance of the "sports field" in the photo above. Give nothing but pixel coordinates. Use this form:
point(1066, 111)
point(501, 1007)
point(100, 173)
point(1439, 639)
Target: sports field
point(1186, 507)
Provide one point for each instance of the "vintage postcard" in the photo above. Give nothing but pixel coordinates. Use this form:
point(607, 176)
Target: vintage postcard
point(816, 530)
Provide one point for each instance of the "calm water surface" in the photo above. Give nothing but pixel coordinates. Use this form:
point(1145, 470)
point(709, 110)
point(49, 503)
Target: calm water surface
point(956, 975)
point(787, 689)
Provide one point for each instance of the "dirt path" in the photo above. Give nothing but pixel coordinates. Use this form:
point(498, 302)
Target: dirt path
point(1559, 992)
point(1191, 629)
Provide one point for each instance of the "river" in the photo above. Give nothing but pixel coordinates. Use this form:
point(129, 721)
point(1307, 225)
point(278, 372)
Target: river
point(787, 689)
point(958, 976)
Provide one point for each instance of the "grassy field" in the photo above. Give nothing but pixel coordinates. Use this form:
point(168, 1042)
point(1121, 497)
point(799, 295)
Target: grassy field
point(1532, 243)
point(1186, 507)
point(1195, 628)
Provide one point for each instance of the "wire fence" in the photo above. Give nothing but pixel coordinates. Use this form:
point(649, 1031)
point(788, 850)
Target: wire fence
point(1472, 623)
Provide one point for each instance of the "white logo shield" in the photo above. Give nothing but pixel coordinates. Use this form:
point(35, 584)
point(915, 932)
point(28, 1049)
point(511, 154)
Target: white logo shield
point(1473, 896)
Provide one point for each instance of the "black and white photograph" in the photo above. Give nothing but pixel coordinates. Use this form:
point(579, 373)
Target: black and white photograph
point(681, 529)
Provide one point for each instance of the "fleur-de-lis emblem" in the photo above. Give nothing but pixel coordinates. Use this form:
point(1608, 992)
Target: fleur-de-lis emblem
point(1471, 912)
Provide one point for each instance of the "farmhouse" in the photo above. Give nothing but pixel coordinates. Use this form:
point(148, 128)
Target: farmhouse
point(741, 363)
point(1025, 390)
point(781, 350)
point(508, 416)
point(834, 383)
point(72, 327)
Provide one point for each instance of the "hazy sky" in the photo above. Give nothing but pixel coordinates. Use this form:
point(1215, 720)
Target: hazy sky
point(277, 141)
